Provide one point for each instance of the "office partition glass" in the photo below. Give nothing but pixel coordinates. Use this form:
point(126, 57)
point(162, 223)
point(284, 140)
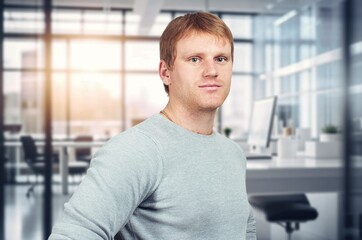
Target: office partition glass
point(301, 59)
point(298, 56)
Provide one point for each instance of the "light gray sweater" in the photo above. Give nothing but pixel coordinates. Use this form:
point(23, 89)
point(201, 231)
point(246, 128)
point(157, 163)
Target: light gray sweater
point(158, 181)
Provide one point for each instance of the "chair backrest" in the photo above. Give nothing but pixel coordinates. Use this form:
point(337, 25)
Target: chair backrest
point(29, 148)
point(86, 151)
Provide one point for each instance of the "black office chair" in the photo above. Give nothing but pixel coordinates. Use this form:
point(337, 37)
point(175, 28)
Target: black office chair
point(34, 160)
point(36, 163)
point(286, 210)
point(83, 153)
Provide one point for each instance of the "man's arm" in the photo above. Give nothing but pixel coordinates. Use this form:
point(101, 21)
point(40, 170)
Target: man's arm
point(123, 173)
point(251, 228)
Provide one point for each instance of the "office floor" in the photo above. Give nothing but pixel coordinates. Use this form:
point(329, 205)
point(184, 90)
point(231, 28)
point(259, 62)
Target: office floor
point(23, 216)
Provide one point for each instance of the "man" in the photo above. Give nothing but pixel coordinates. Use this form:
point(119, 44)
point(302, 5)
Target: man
point(172, 176)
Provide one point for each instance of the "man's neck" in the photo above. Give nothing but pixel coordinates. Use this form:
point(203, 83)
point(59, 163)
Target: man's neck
point(197, 121)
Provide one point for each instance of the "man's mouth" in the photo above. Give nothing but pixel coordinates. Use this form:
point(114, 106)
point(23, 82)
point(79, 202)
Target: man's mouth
point(210, 86)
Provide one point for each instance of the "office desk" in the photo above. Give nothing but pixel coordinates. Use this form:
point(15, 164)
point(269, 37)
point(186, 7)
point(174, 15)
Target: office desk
point(295, 175)
point(64, 158)
point(263, 176)
point(62, 146)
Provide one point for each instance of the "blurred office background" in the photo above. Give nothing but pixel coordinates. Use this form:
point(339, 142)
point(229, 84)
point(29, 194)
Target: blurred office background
point(87, 70)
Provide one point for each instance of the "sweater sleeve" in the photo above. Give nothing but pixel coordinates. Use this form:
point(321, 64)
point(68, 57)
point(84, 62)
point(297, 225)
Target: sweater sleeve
point(251, 228)
point(122, 174)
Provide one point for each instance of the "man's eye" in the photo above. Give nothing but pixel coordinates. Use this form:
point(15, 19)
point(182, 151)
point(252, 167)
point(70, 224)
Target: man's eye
point(220, 59)
point(194, 59)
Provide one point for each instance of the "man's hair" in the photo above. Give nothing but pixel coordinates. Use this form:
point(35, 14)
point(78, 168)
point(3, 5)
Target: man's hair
point(183, 26)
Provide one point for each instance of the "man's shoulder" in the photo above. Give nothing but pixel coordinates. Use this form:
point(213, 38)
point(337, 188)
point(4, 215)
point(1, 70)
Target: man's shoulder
point(142, 134)
point(134, 143)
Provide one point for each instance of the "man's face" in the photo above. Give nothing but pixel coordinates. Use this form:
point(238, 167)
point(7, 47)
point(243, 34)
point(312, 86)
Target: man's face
point(201, 75)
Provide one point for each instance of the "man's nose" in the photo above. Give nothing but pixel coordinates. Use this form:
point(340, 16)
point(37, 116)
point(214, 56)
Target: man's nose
point(210, 69)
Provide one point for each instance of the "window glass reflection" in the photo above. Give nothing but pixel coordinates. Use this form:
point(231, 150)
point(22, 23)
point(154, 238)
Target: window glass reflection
point(95, 104)
point(95, 55)
point(240, 25)
point(243, 60)
point(134, 23)
point(60, 101)
point(59, 54)
point(142, 56)
point(12, 97)
point(145, 96)
point(87, 22)
point(236, 109)
point(23, 54)
point(25, 21)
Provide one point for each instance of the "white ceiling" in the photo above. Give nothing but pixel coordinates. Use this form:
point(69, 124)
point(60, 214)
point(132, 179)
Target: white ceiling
point(250, 6)
point(148, 9)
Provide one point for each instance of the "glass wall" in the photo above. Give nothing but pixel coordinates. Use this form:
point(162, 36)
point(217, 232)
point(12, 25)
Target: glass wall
point(299, 55)
point(299, 59)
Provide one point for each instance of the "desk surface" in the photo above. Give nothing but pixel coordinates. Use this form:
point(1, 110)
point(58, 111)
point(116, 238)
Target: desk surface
point(296, 175)
point(263, 176)
point(59, 144)
point(291, 163)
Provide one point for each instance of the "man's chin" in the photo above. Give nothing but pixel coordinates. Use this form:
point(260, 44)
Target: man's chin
point(210, 107)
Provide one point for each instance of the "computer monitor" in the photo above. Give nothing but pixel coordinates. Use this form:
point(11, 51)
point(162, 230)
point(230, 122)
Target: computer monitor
point(261, 123)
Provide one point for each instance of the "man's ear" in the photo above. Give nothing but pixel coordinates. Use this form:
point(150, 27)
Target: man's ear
point(164, 73)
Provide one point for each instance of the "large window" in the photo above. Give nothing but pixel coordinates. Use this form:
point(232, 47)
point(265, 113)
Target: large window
point(87, 22)
point(24, 21)
point(105, 71)
point(24, 87)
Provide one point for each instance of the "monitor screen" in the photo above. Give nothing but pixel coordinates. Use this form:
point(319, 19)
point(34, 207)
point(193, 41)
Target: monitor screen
point(261, 122)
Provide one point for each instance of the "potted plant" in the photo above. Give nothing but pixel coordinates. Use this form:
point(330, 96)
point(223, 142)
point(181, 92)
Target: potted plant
point(330, 133)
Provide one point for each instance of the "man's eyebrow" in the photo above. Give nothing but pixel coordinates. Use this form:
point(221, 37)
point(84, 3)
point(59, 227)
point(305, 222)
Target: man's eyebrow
point(195, 53)
point(192, 53)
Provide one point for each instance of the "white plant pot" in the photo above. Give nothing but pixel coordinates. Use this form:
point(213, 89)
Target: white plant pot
point(330, 137)
point(323, 149)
